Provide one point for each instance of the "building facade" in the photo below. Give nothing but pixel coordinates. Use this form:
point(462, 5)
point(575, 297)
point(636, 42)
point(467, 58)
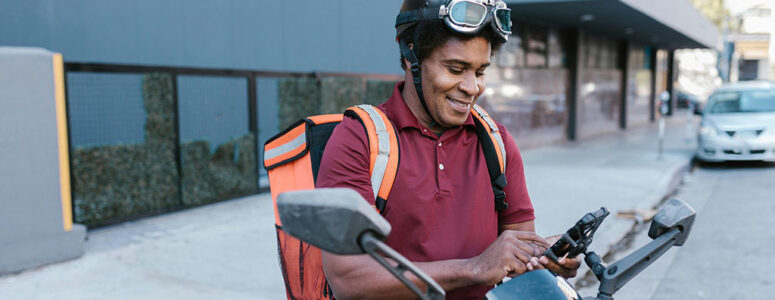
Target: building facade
point(170, 101)
point(753, 48)
point(579, 69)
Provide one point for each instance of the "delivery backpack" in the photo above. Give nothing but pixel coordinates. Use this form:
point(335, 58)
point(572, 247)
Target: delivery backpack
point(292, 159)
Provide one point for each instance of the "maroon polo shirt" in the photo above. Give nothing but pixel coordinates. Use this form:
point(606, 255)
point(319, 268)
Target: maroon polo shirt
point(441, 205)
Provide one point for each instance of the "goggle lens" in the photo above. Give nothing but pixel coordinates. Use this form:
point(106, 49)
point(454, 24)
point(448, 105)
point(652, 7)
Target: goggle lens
point(467, 13)
point(504, 19)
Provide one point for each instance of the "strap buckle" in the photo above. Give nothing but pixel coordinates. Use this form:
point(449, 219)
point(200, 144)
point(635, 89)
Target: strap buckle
point(497, 188)
point(416, 79)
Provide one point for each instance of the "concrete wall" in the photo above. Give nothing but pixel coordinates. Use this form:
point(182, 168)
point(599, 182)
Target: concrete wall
point(35, 222)
point(305, 35)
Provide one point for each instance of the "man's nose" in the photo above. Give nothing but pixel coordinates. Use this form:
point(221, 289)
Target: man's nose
point(469, 84)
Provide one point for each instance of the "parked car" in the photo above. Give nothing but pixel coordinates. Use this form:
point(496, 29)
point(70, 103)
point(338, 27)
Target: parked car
point(738, 123)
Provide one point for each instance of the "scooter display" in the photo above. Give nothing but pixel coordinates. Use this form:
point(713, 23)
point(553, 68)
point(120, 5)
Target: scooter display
point(341, 222)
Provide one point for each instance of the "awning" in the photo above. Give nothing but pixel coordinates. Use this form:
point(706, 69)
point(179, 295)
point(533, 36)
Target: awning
point(668, 24)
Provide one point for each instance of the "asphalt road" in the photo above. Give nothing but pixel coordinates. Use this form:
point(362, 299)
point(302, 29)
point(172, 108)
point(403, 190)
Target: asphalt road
point(730, 252)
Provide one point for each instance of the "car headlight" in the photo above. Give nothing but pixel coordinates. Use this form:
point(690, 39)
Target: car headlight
point(770, 131)
point(708, 130)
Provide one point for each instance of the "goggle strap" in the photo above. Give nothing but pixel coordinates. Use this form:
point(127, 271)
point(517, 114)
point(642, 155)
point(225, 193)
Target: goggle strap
point(414, 64)
point(410, 16)
point(408, 53)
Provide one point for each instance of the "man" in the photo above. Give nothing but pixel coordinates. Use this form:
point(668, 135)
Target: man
point(441, 206)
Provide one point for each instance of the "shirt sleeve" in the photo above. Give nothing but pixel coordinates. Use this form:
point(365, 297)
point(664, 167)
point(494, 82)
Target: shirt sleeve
point(520, 207)
point(346, 160)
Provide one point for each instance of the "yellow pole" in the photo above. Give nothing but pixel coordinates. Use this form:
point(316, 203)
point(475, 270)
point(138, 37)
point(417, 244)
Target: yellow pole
point(64, 150)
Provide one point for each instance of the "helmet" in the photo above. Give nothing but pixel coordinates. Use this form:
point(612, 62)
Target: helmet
point(466, 17)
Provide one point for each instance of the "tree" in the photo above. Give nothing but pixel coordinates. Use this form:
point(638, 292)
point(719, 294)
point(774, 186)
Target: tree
point(714, 10)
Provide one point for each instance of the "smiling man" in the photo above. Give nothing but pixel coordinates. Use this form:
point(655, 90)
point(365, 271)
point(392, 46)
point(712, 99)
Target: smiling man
point(441, 207)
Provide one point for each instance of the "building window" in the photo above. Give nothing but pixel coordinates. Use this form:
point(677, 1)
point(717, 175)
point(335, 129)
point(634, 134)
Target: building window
point(532, 47)
point(556, 49)
point(599, 53)
point(607, 54)
point(536, 46)
point(511, 55)
point(638, 59)
point(591, 51)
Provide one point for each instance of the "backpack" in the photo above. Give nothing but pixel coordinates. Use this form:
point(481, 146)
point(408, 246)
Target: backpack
point(292, 160)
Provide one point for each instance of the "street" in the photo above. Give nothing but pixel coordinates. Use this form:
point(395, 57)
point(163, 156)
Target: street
point(728, 255)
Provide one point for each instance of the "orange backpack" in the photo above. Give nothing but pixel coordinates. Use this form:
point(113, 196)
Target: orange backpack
point(292, 159)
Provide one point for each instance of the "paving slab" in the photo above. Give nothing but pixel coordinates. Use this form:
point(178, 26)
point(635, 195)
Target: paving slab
point(220, 251)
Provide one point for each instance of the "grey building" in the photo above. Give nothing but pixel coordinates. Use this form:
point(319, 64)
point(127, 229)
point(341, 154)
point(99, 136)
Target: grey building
point(577, 69)
point(169, 101)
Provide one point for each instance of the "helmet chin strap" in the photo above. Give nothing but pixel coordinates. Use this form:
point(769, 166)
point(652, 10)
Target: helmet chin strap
point(416, 79)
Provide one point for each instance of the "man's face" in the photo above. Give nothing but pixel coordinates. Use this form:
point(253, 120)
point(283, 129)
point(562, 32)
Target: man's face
point(453, 79)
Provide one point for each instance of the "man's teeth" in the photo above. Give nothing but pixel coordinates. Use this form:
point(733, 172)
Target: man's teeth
point(458, 103)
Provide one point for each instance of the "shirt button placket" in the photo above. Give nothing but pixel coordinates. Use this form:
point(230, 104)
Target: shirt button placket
point(438, 156)
point(440, 165)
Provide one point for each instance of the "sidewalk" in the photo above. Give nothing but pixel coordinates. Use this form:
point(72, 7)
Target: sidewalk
point(228, 250)
point(621, 172)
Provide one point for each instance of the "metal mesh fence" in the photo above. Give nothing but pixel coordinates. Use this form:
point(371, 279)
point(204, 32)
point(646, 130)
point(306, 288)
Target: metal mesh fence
point(147, 140)
point(217, 149)
point(268, 121)
point(105, 109)
point(123, 158)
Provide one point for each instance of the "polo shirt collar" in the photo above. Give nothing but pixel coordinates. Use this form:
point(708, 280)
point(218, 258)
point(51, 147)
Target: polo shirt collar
point(401, 116)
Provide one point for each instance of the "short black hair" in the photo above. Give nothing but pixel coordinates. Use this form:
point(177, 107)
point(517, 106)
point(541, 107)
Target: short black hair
point(434, 33)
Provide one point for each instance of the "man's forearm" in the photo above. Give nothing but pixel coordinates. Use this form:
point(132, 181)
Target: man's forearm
point(359, 277)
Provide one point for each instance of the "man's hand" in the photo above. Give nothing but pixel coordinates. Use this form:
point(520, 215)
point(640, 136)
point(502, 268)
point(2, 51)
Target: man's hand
point(565, 267)
point(509, 256)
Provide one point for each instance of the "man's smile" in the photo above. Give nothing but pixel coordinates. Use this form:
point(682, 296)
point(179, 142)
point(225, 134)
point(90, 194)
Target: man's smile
point(460, 106)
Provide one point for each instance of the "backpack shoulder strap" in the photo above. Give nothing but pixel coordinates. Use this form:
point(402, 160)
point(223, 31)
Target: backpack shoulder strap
point(291, 158)
point(494, 153)
point(383, 150)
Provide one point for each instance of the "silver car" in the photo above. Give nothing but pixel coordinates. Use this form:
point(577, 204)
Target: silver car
point(738, 123)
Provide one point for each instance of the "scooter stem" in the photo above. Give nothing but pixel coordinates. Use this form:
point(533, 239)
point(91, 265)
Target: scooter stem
point(371, 245)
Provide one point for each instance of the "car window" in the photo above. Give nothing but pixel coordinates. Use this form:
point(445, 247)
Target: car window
point(725, 102)
point(746, 101)
point(758, 101)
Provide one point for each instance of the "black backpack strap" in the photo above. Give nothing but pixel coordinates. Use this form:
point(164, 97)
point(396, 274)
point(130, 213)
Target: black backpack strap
point(494, 154)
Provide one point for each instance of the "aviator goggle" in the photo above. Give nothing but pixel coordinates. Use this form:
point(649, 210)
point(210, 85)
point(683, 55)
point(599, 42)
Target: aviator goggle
point(468, 17)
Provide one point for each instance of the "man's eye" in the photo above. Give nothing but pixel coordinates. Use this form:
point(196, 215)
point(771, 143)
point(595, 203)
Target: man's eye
point(454, 70)
point(479, 74)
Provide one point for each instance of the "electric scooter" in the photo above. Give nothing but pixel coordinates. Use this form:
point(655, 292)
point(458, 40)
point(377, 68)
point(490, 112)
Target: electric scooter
point(340, 221)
